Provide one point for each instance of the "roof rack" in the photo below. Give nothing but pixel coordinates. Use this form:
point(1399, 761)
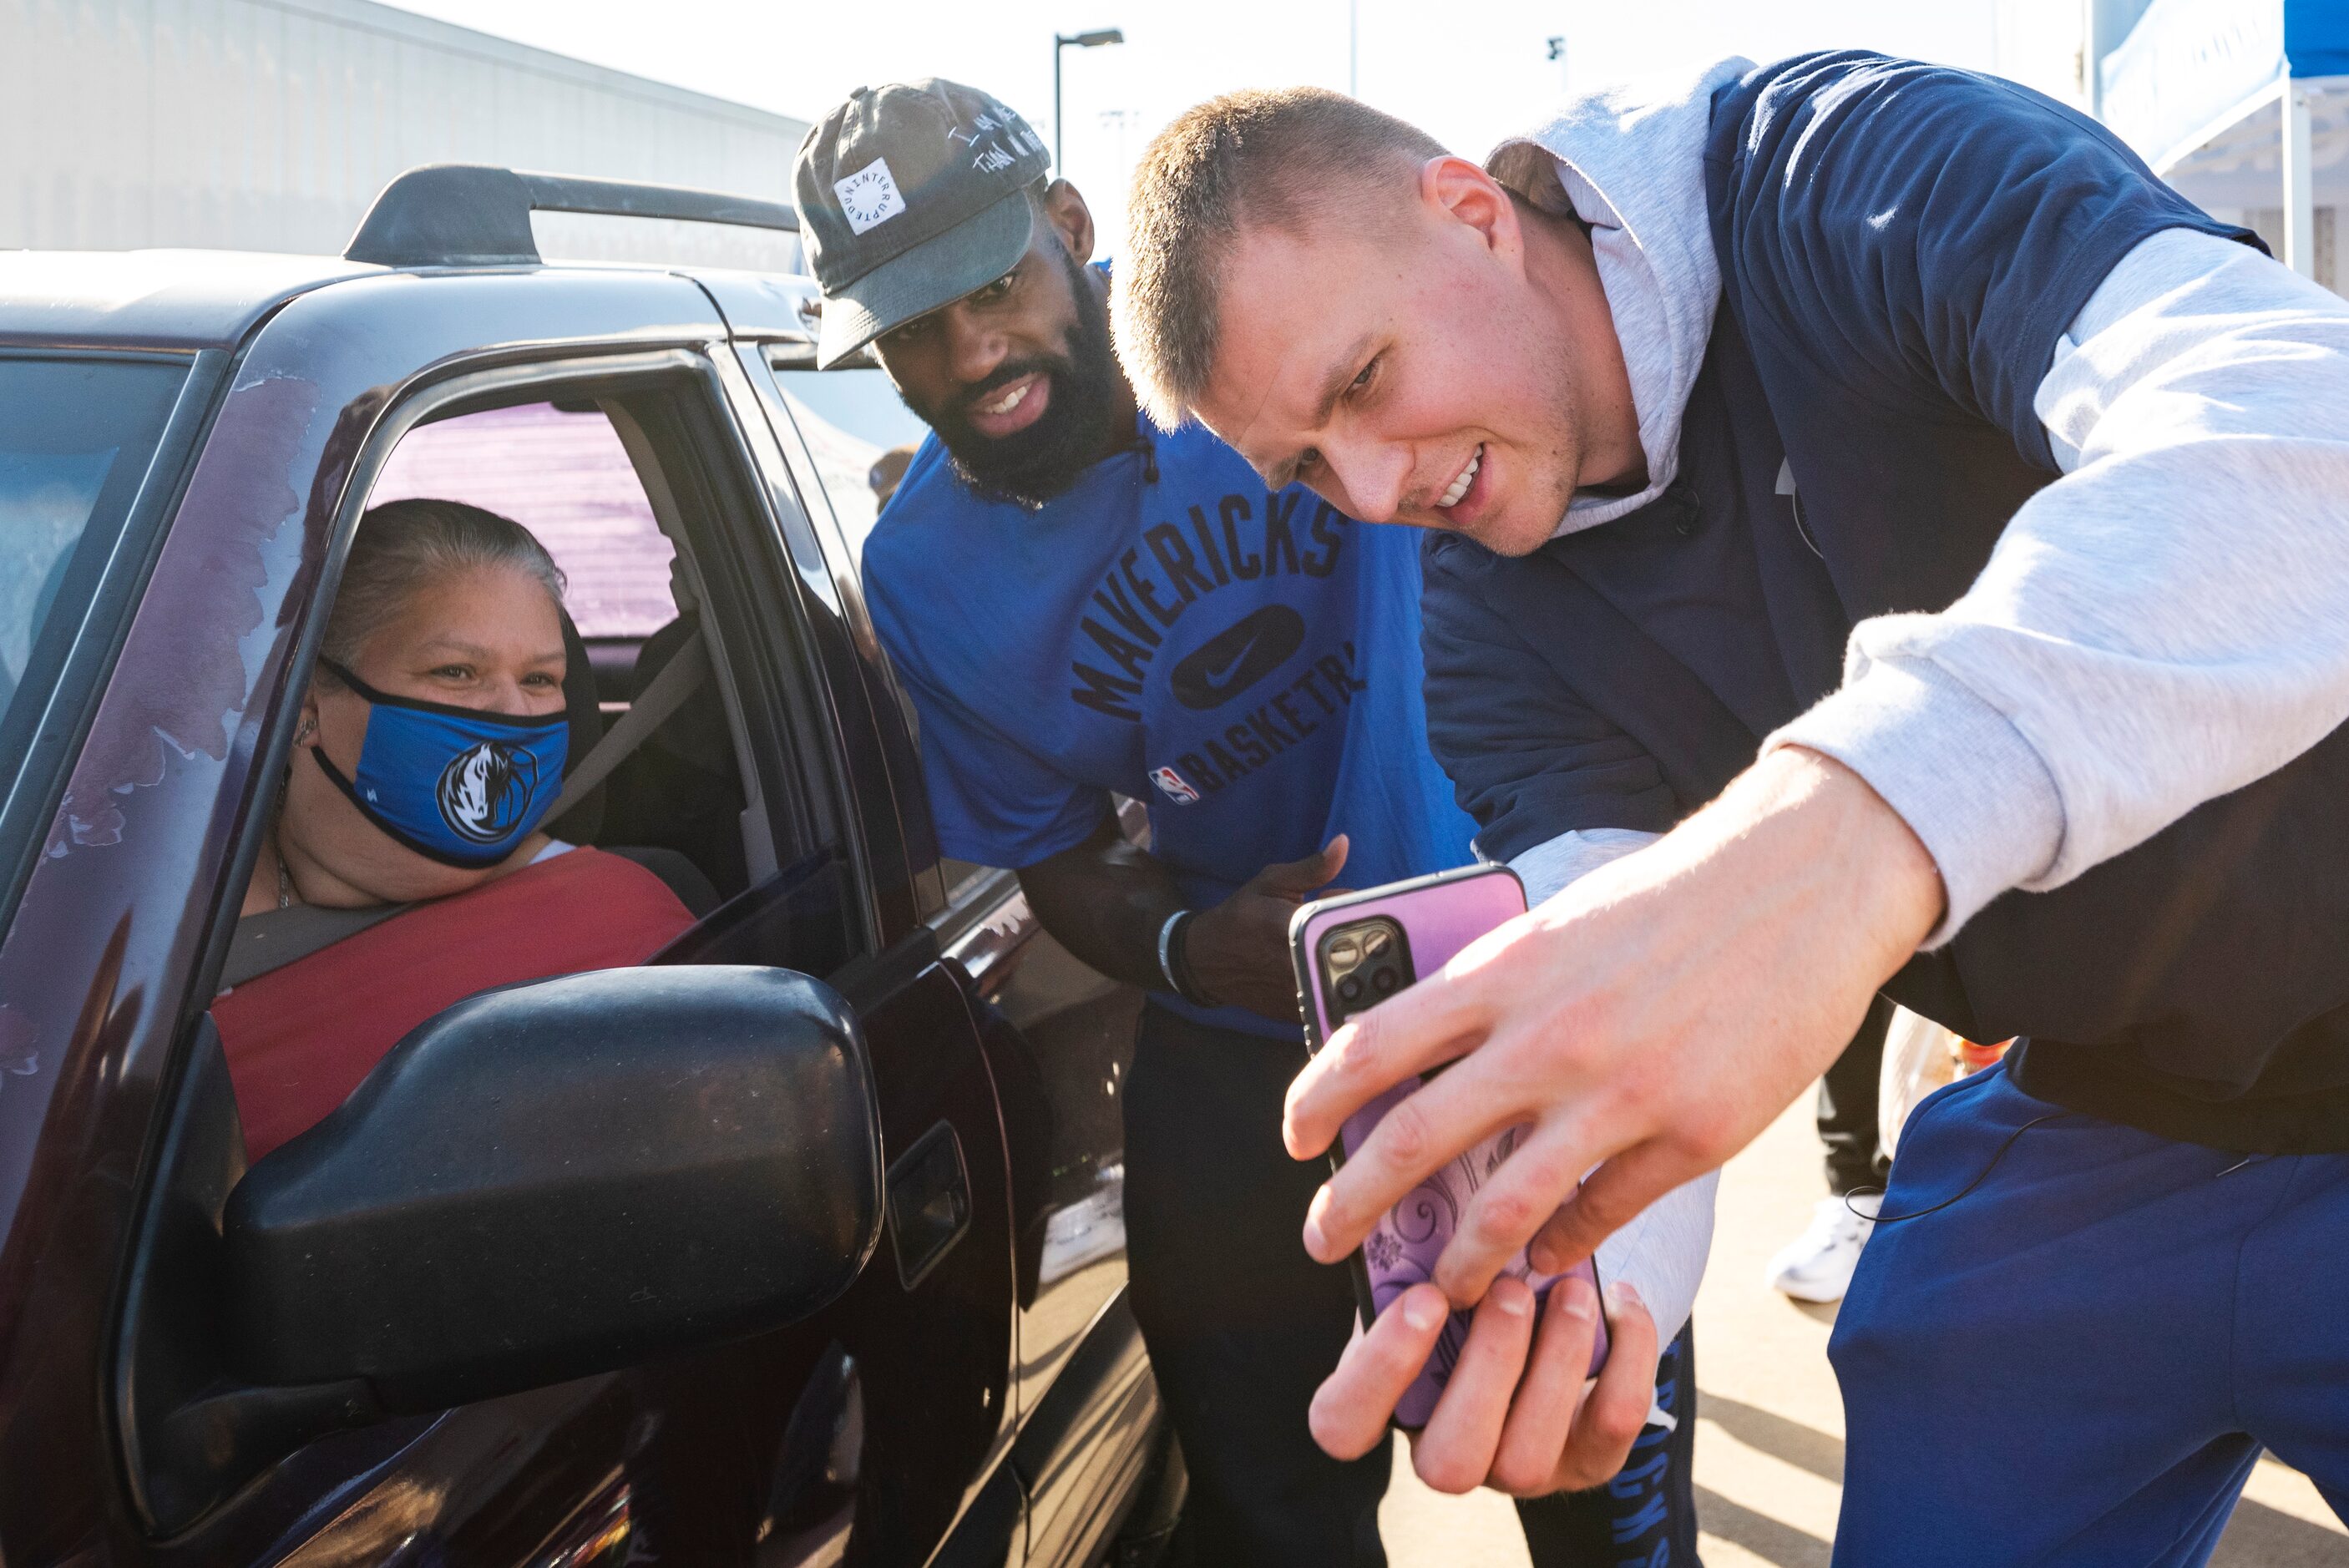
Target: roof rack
point(478, 215)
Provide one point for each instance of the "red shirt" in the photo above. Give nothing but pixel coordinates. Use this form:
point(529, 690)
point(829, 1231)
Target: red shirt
point(300, 1038)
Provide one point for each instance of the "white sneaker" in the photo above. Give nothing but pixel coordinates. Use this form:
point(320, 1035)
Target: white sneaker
point(1817, 1265)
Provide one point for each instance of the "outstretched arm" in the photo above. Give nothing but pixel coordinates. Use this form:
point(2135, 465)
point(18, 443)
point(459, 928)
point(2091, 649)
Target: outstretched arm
point(1107, 900)
point(1649, 1021)
point(2157, 628)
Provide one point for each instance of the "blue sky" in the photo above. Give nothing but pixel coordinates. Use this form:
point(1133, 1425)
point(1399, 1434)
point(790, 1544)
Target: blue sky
point(1471, 71)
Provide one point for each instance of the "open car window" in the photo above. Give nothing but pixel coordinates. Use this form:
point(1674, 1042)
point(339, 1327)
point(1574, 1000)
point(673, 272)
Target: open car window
point(562, 472)
point(657, 819)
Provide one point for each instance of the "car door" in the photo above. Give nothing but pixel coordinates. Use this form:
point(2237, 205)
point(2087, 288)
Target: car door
point(1059, 1035)
point(109, 965)
point(935, 1446)
point(1062, 1035)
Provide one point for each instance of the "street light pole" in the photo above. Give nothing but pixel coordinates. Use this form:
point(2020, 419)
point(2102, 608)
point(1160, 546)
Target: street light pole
point(1092, 40)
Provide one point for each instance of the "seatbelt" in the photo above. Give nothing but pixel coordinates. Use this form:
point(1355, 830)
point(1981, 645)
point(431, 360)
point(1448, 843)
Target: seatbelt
point(677, 681)
point(276, 937)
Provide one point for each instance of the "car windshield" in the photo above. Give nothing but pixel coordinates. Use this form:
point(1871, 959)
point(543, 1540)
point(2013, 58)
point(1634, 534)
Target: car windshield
point(76, 436)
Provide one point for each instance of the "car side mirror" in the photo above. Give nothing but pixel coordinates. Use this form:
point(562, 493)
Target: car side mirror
point(560, 1178)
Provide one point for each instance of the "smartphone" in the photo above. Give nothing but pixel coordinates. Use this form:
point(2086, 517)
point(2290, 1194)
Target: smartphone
point(1351, 953)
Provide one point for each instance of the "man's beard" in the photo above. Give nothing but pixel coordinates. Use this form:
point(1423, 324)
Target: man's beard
point(1030, 467)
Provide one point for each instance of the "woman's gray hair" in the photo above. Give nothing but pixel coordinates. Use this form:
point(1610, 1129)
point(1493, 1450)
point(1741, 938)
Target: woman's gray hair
point(403, 547)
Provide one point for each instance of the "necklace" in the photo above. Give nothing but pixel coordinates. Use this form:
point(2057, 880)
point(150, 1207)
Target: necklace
point(285, 882)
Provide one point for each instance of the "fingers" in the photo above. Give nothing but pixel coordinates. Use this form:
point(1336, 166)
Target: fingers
point(1295, 880)
point(1350, 1410)
point(1541, 1416)
point(1437, 1019)
point(1610, 1198)
point(1512, 1414)
point(1454, 1452)
point(1617, 1409)
point(1335, 852)
point(1415, 1136)
point(1513, 1202)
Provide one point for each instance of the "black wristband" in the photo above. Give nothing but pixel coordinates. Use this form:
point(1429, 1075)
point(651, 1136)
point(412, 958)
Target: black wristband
point(1178, 961)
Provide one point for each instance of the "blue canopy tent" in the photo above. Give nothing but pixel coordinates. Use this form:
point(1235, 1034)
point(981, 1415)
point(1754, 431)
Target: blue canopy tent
point(2243, 106)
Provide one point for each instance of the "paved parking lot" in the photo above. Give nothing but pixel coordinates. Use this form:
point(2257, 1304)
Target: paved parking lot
point(1769, 1449)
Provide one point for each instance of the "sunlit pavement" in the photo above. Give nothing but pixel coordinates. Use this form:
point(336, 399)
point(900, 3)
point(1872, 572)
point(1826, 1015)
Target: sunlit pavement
point(1769, 1449)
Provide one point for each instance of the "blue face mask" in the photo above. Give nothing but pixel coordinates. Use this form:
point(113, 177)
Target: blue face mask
point(453, 784)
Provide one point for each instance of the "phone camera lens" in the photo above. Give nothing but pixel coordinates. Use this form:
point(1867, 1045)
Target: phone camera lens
point(1383, 982)
point(1376, 944)
point(1350, 989)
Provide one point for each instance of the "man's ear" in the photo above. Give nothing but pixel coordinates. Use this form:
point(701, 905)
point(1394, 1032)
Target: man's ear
point(1458, 191)
point(1071, 218)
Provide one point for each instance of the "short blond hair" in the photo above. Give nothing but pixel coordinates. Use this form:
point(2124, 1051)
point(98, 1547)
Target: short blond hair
point(1280, 156)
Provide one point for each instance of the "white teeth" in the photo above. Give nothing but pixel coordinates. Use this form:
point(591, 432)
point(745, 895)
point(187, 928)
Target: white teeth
point(1451, 498)
point(1010, 399)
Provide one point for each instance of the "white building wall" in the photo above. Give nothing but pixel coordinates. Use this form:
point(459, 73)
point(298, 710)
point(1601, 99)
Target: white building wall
point(2043, 44)
point(270, 124)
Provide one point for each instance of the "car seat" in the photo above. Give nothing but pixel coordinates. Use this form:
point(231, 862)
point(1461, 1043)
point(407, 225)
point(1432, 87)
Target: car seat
point(682, 790)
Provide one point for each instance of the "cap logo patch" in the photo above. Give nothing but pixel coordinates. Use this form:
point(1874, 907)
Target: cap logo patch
point(870, 196)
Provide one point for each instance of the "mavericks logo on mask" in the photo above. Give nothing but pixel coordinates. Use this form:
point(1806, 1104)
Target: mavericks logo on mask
point(486, 790)
point(456, 785)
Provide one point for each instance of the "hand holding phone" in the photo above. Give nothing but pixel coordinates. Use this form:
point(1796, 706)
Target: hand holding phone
point(1350, 953)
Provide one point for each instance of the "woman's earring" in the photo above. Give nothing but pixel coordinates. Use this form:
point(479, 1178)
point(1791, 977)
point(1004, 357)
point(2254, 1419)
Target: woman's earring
point(309, 726)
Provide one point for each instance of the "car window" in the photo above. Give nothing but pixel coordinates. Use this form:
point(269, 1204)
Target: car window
point(861, 436)
point(561, 473)
point(76, 436)
point(851, 419)
point(443, 783)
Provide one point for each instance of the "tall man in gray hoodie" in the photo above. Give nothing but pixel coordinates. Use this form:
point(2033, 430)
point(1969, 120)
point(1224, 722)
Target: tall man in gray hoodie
point(1905, 546)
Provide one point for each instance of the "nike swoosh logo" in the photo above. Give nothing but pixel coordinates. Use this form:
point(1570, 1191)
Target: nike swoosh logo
point(1237, 657)
point(1218, 674)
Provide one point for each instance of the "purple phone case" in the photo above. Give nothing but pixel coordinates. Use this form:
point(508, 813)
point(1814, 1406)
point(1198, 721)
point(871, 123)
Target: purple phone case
point(1439, 916)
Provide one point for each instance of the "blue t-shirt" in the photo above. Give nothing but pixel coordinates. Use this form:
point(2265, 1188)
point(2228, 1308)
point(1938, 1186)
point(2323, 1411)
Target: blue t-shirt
point(1246, 664)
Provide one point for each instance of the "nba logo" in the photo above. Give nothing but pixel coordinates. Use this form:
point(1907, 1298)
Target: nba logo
point(1170, 784)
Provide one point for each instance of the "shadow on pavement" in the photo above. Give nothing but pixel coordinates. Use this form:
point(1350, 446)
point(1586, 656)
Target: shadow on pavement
point(1764, 1536)
point(1805, 1447)
point(2257, 1536)
point(2263, 1537)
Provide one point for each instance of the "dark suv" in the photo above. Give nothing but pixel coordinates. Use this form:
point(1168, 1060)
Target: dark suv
point(800, 1243)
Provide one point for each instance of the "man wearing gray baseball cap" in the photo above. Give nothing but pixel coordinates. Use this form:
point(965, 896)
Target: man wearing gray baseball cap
point(1079, 608)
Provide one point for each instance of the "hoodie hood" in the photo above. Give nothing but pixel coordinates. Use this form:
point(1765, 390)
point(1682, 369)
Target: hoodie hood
point(1630, 162)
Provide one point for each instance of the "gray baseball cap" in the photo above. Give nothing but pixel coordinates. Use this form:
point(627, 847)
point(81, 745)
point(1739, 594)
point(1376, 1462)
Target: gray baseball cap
point(911, 195)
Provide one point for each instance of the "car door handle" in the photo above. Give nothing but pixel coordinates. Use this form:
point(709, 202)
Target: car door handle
point(930, 1203)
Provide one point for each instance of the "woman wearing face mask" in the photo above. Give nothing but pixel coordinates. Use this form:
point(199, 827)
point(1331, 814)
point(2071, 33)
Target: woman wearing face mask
point(431, 744)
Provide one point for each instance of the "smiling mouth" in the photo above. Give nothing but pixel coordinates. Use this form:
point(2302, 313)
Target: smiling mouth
point(1002, 411)
point(1010, 400)
point(1461, 481)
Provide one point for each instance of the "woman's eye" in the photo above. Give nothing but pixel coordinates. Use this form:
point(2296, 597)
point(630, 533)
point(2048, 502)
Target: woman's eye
point(540, 680)
point(452, 672)
point(1363, 379)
